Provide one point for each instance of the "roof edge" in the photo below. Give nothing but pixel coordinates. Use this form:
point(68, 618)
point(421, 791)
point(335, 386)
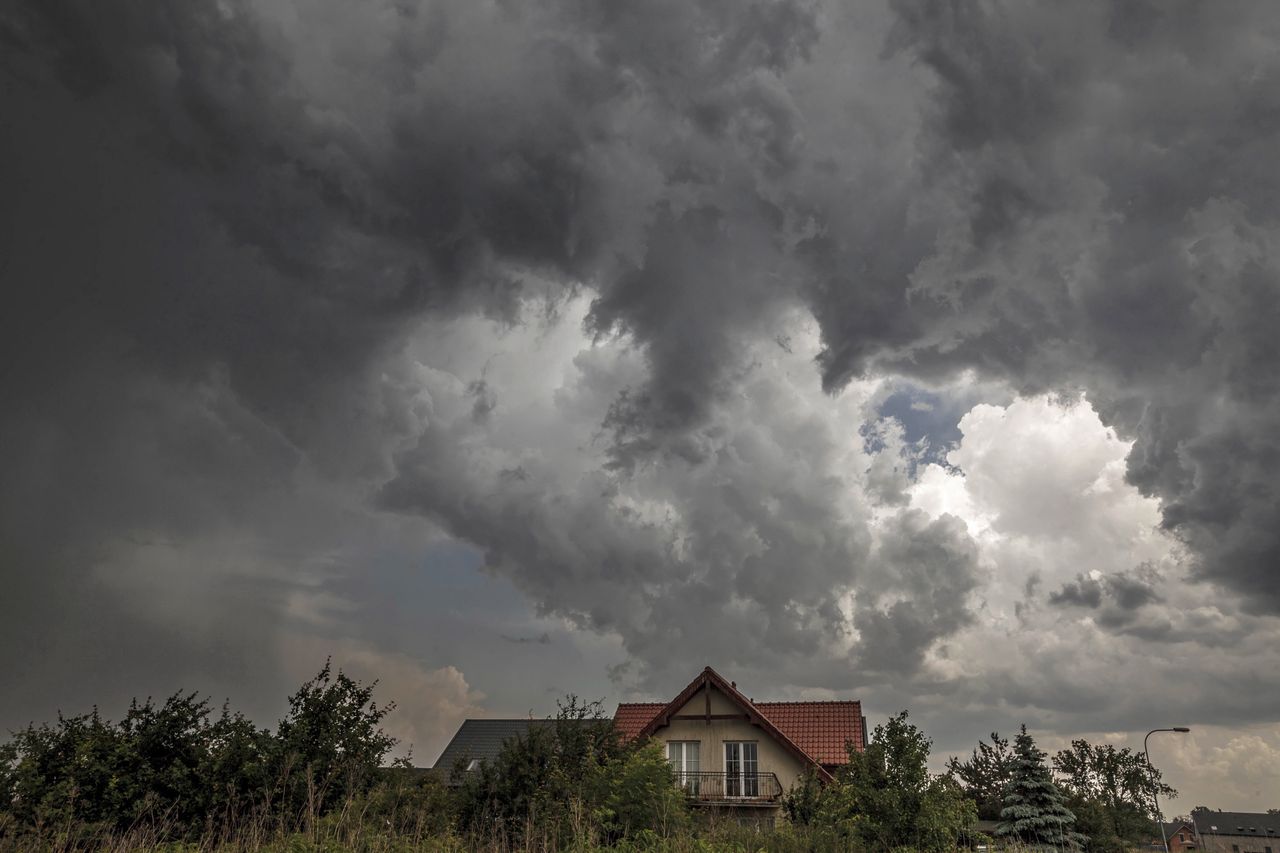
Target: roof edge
point(709, 677)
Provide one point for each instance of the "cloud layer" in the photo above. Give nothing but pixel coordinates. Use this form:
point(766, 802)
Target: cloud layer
point(843, 347)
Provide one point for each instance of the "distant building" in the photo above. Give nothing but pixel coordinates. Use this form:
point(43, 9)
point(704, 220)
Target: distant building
point(1180, 835)
point(1236, 832)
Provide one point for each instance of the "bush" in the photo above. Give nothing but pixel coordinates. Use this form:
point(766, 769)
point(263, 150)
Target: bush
point(637, 794)
point(174, 771)
point(885, 798)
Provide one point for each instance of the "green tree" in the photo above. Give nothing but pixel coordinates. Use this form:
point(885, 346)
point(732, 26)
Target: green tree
point(548, 778)
point(1111, 790)
point(62, 773)
point(1034, 811)
point(638, 794)
point(985, 775)
point(885, 797)
point(802, 803)
point(330, 746)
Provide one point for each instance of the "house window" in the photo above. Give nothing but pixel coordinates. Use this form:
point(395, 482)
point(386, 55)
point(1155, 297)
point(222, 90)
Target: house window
point(1235, 848)
point(741, 769)
point(683, 755)
point(1182, 836)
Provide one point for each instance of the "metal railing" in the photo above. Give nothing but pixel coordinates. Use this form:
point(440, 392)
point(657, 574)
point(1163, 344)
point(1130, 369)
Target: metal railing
point(709, 786)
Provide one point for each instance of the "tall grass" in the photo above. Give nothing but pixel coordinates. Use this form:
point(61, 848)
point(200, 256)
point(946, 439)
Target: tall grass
point(357, 829)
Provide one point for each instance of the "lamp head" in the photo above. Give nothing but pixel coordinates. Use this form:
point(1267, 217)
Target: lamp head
point(1183, 729)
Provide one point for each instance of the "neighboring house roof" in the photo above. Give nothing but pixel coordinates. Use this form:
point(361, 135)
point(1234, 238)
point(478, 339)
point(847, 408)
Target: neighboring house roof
point(631, 717)
point(481, 740)
point(815, 732)
point(1257, 824)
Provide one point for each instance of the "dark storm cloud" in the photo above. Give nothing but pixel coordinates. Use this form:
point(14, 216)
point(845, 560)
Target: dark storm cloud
point(224, 222)
point(1125, 592)
point(1082, 592)
point(1088, 227)
point(927, 568)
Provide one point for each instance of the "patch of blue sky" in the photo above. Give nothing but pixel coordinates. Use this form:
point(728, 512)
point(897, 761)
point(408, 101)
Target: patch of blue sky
point(930, 419)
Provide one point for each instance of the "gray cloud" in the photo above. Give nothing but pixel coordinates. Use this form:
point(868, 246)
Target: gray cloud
point(236, 237)
point(1083, 592)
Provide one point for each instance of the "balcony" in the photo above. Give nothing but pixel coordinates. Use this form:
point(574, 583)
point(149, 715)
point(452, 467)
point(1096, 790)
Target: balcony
point(705, 788)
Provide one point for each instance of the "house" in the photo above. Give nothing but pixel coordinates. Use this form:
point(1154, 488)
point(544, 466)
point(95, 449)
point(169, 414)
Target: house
point(1236, 832)
point(477, 742)
point(1180, 835)
point(731, 751)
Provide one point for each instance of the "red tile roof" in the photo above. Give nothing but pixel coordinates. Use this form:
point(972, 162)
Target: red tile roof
point(631, 717)
point(819, 729)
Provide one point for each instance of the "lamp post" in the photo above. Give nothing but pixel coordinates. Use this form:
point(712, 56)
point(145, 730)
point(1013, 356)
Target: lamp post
point(1151, 771)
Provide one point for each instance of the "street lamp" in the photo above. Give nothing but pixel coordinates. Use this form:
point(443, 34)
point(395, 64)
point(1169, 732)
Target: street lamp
point(1151, 771)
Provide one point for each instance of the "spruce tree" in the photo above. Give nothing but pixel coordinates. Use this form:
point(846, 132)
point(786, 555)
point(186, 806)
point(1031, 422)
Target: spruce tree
point(1034, 811)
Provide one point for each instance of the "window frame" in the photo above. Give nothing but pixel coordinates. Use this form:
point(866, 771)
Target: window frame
point(742, 783)
point(686, 777)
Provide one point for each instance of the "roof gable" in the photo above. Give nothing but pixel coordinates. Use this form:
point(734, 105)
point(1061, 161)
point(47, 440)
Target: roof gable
point(815, 732)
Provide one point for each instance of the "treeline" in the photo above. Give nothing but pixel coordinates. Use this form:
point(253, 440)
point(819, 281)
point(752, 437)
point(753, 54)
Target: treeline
point(184, 775)
point(178, 770)
point(1103, 796)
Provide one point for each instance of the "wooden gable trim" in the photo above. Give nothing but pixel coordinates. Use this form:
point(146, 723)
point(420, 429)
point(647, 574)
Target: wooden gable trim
point(709, 678)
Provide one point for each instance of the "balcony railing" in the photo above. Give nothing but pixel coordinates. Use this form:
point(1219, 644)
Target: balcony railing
point(712, 787)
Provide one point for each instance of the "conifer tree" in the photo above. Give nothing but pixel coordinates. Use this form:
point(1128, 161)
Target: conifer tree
point(1034, 811)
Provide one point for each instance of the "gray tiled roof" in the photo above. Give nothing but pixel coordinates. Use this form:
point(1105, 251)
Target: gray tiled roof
point(481, 740)
point(1237, 823)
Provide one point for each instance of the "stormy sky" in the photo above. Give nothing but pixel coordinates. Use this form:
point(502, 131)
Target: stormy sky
point(913, 351)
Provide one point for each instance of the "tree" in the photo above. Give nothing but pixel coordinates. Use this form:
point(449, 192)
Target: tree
point(164, 764)
point(885, 797)
point(330, 745)
point(548, 778)
point(638, 794)
point(1111, 792)
point(985, 775)
point(1034, 811)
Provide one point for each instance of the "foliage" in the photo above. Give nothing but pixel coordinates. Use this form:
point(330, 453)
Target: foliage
point(1111, 790)
point(802, 802)
point(985, 775)
point(180, 777)
point(638, 794)
point(330, 744)
point(167, 762)
point(1034, 811)
point(549, 778)
point(885, 797)
point(176, 769)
